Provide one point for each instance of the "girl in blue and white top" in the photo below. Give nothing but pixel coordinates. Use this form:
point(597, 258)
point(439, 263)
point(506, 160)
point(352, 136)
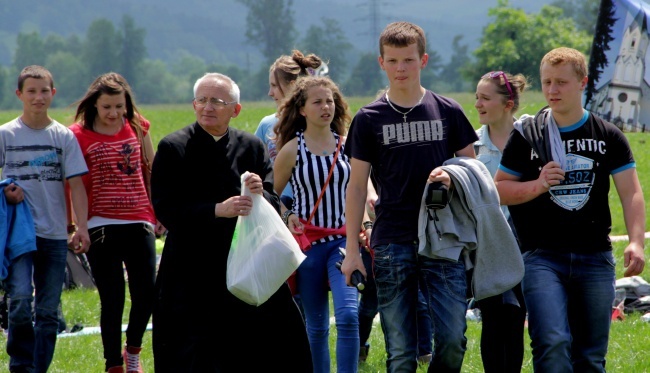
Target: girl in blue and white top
point(282, 74)
point(503, 315)
point(312, 122)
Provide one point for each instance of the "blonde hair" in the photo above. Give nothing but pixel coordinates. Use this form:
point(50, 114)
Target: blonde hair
point(571, 56)
point(518, 84)
point(287, 69)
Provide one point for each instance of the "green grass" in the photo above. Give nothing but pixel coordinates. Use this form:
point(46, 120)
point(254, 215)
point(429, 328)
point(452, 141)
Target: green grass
point(627, 347)
point(628, 342)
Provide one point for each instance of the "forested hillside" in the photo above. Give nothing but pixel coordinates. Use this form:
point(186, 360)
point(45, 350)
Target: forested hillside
point(215, 30)
point(168, 43)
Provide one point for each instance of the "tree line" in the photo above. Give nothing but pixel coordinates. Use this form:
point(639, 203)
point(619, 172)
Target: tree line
point(513, 41)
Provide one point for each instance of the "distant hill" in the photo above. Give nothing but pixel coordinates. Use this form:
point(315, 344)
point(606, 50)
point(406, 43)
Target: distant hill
point(215, 30)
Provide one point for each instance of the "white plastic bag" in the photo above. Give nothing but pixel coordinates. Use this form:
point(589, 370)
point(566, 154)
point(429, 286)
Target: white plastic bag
point(263, 253)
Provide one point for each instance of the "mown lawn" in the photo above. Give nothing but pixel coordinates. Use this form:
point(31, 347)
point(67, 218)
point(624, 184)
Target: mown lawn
point(627, 347)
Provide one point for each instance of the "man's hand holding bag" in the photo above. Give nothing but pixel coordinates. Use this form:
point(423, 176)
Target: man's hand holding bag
point(263, 253)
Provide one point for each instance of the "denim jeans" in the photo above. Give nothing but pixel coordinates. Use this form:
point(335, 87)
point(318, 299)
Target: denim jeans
point(425, 328)
point(368, 309)
point(31, 345)
point(399, 271)
point(368, 302)
point(113, 247)
point(316, 274)
point(569, 298)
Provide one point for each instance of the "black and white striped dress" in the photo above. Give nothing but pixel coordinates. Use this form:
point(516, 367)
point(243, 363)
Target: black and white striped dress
point(307, 180)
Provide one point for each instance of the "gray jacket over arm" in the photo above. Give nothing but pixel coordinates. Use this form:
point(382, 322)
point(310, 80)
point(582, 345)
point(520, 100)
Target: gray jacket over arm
point(473, 225)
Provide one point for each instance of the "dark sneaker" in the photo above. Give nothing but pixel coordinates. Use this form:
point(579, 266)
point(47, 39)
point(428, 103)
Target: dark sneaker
point(363, 352)
point(425, 359)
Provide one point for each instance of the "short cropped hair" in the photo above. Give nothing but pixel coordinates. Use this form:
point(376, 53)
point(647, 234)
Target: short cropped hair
point(36, 72)
point(402, 34)
point(234, 88)
point(571, 56)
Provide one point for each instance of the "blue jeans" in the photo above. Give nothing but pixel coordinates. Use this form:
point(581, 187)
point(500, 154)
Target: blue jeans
point(399, 272)
point(31, 345)
point(368, 308)
point(425, 328)
point(569, 298)
point(316, 275)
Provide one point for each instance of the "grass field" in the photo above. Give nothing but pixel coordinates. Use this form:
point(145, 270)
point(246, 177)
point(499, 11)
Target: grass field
point(628, 343)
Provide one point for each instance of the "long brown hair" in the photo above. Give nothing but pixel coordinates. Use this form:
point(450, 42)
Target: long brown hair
point(109, 84)
point(291, 121)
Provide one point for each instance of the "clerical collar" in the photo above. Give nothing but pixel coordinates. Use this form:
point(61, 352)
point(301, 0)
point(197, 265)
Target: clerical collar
point(217, 138)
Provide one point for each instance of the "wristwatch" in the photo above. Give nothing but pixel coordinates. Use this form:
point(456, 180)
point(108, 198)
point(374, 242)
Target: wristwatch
point(285, 217)
point(72, 228)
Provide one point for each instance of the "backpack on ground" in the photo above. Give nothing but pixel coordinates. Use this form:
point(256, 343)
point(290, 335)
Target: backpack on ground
point(637, 293)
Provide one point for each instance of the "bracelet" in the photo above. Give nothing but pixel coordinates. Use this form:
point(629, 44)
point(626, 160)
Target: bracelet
point(285, 217)
point(72, 228)
point(367, 225)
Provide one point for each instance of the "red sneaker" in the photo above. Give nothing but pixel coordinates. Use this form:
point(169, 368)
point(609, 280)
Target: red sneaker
point(131, 357)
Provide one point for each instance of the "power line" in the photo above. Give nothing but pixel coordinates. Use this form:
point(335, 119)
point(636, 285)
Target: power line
point(374, 19)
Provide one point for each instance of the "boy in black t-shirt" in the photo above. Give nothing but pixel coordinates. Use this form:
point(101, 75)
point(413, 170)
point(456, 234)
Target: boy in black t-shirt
point(556, 189)
point(405, 135)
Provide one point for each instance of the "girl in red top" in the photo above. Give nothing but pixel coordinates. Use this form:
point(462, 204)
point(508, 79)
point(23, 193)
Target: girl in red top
point(121, 220)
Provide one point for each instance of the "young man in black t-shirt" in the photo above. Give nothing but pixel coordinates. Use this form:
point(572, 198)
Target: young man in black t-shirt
point(405, 135)
point(558, 200)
